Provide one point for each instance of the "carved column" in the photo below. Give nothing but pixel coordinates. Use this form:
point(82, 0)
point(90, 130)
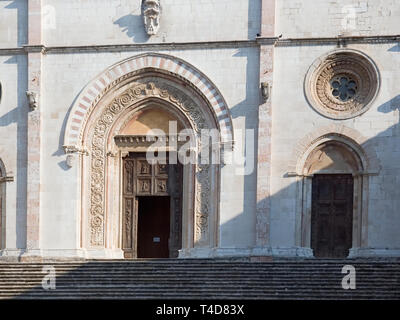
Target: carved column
point(264, 129)
point(34, 57)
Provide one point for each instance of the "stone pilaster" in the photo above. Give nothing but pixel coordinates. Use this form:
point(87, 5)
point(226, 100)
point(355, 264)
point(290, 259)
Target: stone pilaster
point(264, 129)
point(34, 56)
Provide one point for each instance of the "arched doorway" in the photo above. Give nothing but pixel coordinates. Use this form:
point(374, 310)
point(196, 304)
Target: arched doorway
point(141, 85)
point(332, 167)
point(152, 191)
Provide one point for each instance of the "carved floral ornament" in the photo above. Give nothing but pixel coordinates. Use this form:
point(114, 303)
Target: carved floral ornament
point(342, 84)
point(98, 154)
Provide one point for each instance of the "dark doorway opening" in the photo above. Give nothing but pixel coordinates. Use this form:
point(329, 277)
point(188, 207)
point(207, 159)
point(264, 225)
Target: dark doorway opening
point(332, 215)
point(153, 227)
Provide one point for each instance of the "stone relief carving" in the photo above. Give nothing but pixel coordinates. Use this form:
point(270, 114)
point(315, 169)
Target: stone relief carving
point(137, 92)
point(151, 11)
point(128, 222)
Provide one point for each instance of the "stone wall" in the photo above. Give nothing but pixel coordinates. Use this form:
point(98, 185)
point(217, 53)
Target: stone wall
point(120, 21)
point(310, 19)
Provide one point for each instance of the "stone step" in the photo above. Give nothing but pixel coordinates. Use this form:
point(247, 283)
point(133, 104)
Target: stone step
point(202, 279)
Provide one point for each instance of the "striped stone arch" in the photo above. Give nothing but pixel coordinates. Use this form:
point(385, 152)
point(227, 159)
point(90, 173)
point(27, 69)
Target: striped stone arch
point(351, 137)
point(105, 81)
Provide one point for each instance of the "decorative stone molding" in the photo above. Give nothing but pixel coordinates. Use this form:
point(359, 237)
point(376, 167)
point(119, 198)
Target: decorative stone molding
point(176, 67)
point(33, 98)
point(342, 84)
point(6, 179)
point(339, 41)
point(144, 141)
point(341, 133)
point(75, 149)
point(151, 12)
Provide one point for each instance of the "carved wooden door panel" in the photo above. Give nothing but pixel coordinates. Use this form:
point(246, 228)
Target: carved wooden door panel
point(332, 215)
point(129, 209)
point(175, 185)
point(143, 179)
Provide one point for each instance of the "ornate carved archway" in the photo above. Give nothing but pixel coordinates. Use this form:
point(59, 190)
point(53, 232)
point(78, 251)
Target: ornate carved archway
point(92, 138)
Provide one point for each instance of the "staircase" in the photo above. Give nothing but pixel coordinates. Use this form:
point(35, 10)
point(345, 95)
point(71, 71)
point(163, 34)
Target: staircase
point(203, 279)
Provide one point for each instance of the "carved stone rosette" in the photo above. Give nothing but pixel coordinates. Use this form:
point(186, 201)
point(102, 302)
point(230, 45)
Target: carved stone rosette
point(136, 93)
point(342, 85)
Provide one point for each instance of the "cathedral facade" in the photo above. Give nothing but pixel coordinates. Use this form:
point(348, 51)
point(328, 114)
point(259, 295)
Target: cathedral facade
point(199, 129)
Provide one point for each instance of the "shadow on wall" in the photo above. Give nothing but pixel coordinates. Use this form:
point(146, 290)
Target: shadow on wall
point(60, 151)
point(396, 48)
point(133, 26)
point(18, 116)
point(248, 109)
point(22, 16)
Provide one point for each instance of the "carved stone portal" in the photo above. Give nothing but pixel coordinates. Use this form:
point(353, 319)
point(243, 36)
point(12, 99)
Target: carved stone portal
point(136, 93)
point(151, 11)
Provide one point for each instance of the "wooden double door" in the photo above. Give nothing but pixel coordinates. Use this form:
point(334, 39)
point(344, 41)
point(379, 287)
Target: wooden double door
point(152, 208)
point(332, 215)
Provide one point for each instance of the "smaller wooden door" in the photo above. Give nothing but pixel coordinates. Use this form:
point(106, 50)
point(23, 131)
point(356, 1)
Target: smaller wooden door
point(332, 215)
point(153, 227)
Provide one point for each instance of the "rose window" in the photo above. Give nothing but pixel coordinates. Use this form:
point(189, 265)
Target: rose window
point(343, 88)
point(342, 84)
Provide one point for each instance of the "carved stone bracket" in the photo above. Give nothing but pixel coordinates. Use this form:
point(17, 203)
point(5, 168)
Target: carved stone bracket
point(33, 100)
point(151, 11)
point(6, 179)
point(75, 149)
